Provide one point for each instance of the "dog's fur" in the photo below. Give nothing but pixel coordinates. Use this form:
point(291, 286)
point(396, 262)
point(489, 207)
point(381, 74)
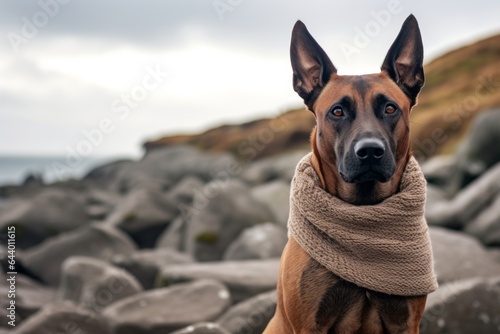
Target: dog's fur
point(360, 145)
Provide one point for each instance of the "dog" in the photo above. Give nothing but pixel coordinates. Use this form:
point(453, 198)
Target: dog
point(360, 147)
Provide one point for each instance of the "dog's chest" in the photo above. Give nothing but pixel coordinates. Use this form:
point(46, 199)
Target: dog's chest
point(335, 301)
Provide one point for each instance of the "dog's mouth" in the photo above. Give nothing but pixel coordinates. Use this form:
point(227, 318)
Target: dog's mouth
point(369, 175)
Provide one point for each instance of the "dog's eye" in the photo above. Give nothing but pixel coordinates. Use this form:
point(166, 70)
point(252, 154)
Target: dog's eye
point(337, 112)
point(390, 109)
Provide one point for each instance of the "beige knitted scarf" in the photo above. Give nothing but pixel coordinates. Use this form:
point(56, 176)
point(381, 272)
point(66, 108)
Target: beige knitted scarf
point(383, 247)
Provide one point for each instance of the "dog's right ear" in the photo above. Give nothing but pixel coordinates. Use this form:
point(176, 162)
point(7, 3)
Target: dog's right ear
point(311, 66)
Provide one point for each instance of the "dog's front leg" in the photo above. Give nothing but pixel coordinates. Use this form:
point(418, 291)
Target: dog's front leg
point(399, 315)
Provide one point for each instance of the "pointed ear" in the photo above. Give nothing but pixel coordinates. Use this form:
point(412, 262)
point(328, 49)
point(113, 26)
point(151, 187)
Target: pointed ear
point(404, 61)
point(311, 66)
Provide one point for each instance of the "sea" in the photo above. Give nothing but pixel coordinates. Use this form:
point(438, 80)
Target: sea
point(15, 169)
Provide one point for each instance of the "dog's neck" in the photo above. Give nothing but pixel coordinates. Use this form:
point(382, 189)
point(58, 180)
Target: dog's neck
point(367, 193)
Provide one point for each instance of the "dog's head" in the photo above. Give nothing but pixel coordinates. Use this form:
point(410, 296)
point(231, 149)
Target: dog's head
point(362, 121)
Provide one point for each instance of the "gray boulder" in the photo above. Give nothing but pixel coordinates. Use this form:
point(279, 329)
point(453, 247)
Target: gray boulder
point(64, 317)
point(486, 226)
point(263, 241)
point(495, 254)
point(146, 264)
point(102, 242)
point(168, 309)
point(271, 168)
point(217, 216)
point(202, 328)
point(161, 168)
point(466, 307)
point(458, 256)
point(100, 203)
point(143, 214)
point(95, 284)
point(437, 170)
point(30, 297)
point(104, 173)
point(479, 151)
point(174, 235)
point(434, 195)
point(250, 316)
point(42, 215)
point(183, 191)
point(468, 204)
point(244, 279)
point(276, 195)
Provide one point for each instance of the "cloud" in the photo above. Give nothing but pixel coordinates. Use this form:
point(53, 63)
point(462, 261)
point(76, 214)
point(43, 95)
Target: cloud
point(66, 77)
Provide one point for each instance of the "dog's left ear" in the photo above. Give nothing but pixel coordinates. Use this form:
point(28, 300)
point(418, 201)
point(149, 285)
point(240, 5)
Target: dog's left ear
point(404, 61)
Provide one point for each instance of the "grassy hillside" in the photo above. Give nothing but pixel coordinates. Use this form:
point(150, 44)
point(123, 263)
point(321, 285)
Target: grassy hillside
point(459, 85)
point(252, 140)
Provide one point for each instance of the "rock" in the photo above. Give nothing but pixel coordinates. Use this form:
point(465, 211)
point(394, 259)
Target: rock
point(102, 242)
point(495, 254)
point(145, 264)
point(469, 203)
point(217, 216)
point(143, 214)
point(104, 173)
point(263, 241)
point(478, 152)
point(95, 284)
point(174, 235)
point(96, 196)
point(30, 296)
point(163, 167)
point(42, 215)
point(276, 167)
point(100, 203)
point(434, 195)
point(64, 317)
point(182, 194)
point(276, 195)
point(98, 212)
point(244, 279)
point(459, 256)
point(437, 170)
point(202, 328)
point(466, 307)
point(33, 179)
point(168, 309)
point(250, 316)
point(183, 191)
point(486, 226)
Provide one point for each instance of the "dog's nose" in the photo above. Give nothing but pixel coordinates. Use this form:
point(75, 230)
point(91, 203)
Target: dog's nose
point(369, 148)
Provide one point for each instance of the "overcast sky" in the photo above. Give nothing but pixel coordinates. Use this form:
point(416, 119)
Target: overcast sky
point(71, 68)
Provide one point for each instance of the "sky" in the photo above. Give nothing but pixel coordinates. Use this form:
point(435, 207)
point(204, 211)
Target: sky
point(98, 78)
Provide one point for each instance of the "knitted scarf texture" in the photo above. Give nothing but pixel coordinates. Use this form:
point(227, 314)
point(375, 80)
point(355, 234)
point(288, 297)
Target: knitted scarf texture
point(383, 247)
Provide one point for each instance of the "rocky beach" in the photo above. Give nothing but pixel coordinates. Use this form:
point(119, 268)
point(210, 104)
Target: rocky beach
point(148, 151)
point(188, 241)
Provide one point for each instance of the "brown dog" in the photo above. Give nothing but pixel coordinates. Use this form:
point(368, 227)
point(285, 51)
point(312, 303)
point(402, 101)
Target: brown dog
point(361, 145)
